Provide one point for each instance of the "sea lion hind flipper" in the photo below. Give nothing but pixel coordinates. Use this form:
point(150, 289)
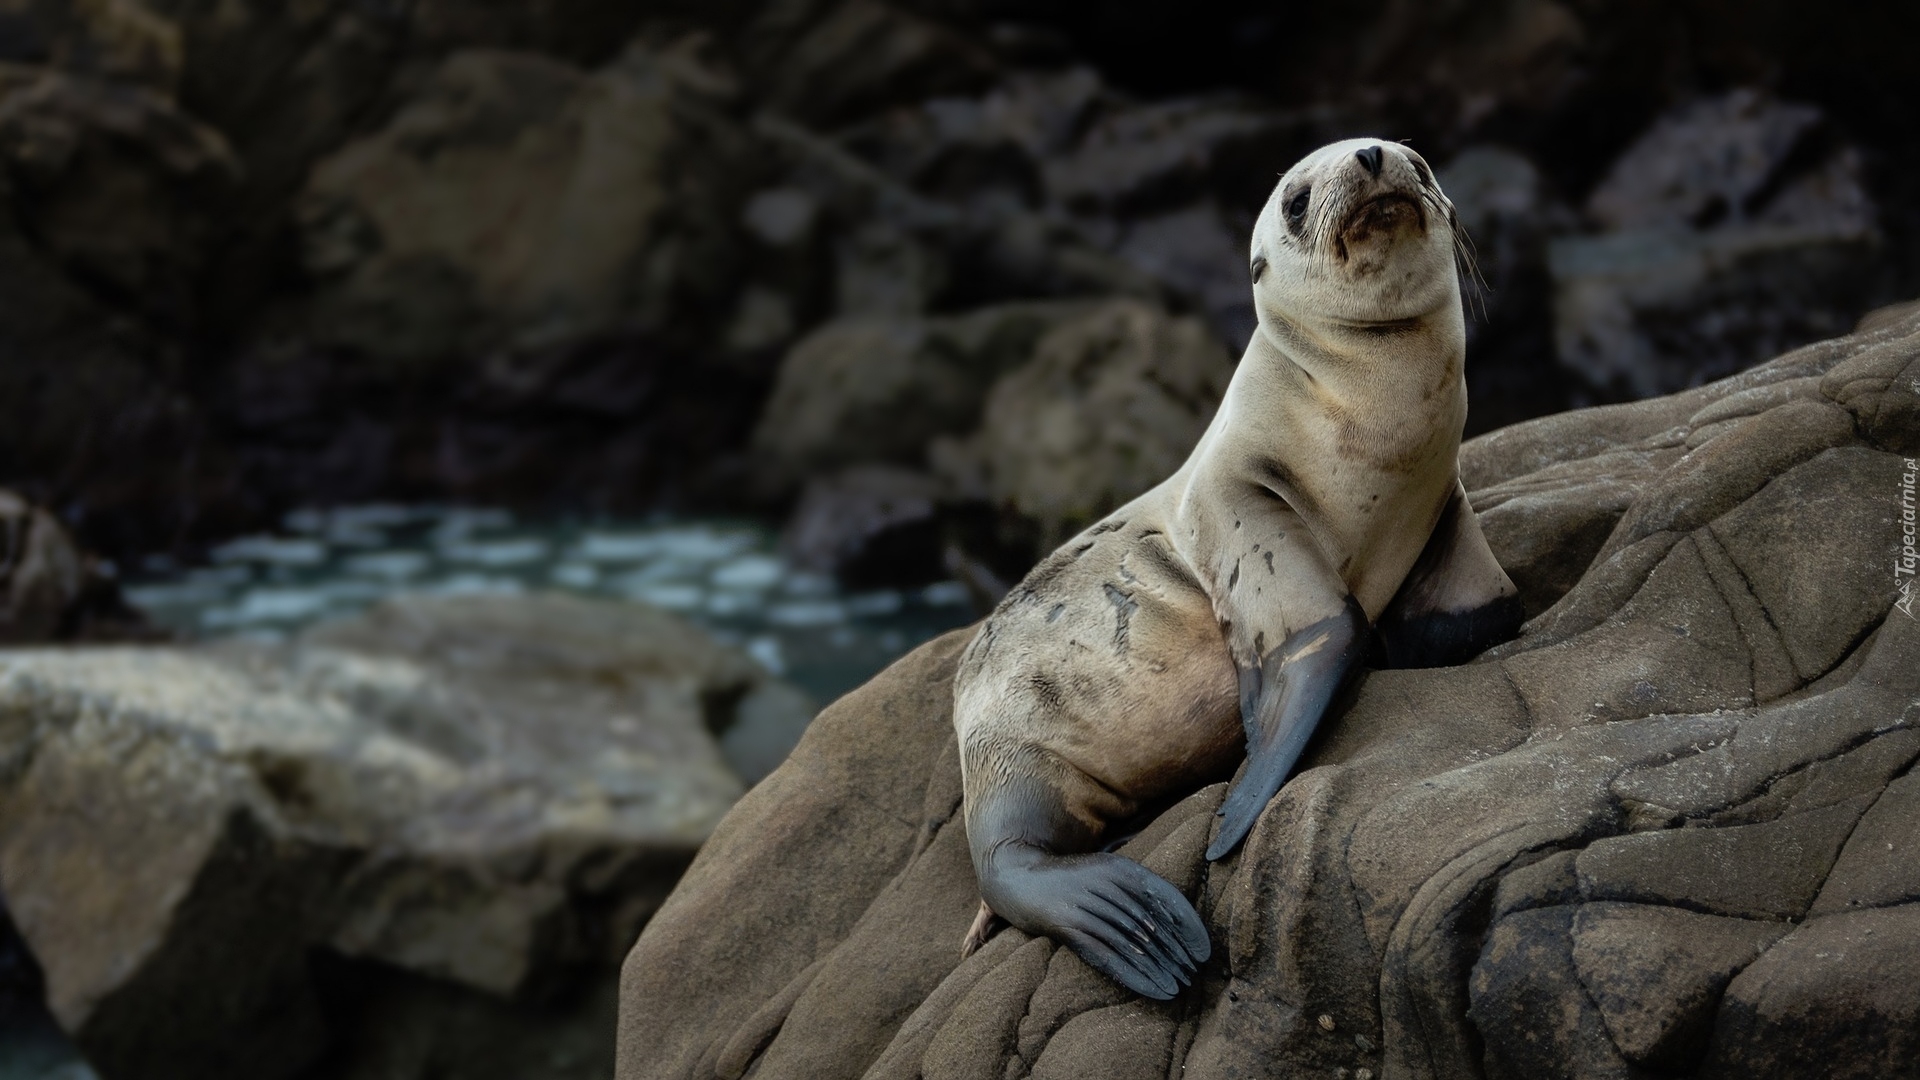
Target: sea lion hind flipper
point(1121, 918)
point(985, 924)
point(1296, 684)
point(1456, 602)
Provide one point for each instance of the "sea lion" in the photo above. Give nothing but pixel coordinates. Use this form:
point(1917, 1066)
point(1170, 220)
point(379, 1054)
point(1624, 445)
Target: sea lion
point(1319, 518)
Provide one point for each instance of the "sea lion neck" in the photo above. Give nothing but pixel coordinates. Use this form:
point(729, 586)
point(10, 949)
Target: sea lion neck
point(1345, 365)
point(1323, 399)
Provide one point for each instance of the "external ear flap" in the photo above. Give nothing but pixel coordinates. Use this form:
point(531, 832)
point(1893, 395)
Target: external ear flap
point(1259, 267)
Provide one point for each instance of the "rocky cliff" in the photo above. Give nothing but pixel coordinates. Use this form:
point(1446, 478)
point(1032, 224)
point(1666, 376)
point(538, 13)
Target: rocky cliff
point(1668, 831)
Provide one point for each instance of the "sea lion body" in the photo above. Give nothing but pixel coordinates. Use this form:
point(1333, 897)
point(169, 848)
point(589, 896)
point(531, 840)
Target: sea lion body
point(1233, 600)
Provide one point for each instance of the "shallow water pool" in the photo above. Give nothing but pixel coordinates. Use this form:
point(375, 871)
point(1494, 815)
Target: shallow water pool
point(725, 576)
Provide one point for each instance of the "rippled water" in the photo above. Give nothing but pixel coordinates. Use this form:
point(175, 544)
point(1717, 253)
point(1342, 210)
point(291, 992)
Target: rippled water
point(726, 576)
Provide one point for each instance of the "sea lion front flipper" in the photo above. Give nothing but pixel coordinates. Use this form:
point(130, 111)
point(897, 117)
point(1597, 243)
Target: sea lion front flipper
point(1456, 602)
point(1124, 920)
point(1283, 700)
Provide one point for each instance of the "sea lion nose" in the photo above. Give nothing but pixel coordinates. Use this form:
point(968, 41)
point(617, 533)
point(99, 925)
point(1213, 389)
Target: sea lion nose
point(1370, 157)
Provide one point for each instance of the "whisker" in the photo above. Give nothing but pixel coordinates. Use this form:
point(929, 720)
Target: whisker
point(1467, 261)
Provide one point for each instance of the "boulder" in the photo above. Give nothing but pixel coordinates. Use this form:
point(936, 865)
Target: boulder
point(1509, 211)
point(848, 216)
point(122, 41)
point(1157, 156)
point(827, 62)
point(94, 416)
point(873, 390)
point(516, 201)
point(120, 185)
point(243, 859)
point(111, 192)
point(1198, 254)
point(985, 149)
point(1111, 403)
point(1733, 231)
point(869, 525)
point(1664, 831)
point(52, 591)
point(41, 572)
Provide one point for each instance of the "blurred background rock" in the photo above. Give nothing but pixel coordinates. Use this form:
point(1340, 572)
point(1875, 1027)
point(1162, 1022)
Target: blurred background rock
point(579, 256)
point(920, 286)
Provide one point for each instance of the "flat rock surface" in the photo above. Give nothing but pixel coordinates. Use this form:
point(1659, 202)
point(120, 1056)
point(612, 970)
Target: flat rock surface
point(1702, 737)
point(484, 795)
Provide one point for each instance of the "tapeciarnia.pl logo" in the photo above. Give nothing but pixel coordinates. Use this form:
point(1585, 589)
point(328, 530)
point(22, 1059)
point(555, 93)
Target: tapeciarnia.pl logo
point(1904, 563)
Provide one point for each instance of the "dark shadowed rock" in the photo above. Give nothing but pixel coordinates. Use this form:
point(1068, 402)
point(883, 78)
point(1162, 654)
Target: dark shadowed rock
point(831, 61)
point(1198, 255)
point(1156, 156)
point(518, 201)
point(1510, 213)
point(103, 185)
point(1655, 973)
point(444, 816)
point(119, 183)
point(985, 149)
point(41, 570)
point(125, 42)
point(1663, 831)
point(52, 591)
point(869, 525)
point(1734, 231)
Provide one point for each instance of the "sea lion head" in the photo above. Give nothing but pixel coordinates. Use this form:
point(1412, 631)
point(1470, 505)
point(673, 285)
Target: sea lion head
point(1357, 232)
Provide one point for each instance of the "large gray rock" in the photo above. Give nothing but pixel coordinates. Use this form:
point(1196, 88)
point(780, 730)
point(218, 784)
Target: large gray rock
point(870, 391)
point(1720, 248)
point(1666, 830)
point(463, 808)
point(1110, 403)
point(516, 201)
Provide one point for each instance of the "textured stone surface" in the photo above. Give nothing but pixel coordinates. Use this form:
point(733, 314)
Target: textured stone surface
point(872, 391)
point(1656, 973)
point(517, 201)
point(1665, 829)
point(463, 808)
point(1110, 403)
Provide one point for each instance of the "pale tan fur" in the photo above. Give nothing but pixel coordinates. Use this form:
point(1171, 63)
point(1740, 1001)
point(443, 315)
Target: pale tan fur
point(1110, 671)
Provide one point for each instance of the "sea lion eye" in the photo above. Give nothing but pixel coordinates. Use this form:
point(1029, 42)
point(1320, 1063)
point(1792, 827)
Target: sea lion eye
point(1259, 267)
point(1297, 209)
point(1426, 174)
